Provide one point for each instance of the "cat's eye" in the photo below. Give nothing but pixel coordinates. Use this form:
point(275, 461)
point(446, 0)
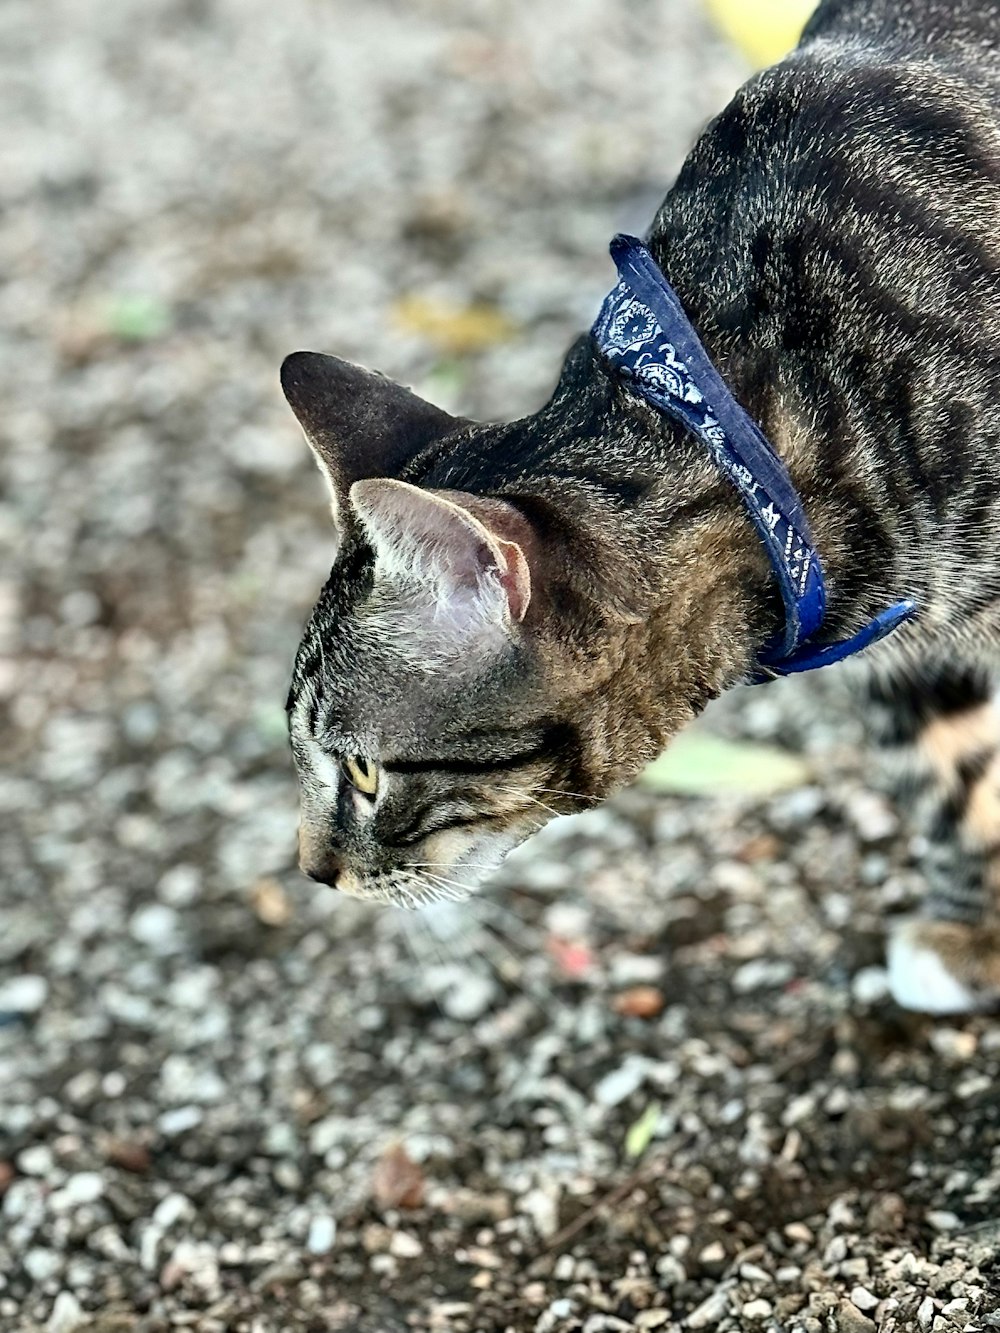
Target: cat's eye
point(361, 774)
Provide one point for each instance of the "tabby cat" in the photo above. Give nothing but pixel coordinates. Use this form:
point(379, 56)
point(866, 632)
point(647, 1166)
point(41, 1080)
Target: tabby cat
point(522, 615)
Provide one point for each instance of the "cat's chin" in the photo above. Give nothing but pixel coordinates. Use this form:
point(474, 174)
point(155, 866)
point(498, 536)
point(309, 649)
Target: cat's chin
point(441, 877)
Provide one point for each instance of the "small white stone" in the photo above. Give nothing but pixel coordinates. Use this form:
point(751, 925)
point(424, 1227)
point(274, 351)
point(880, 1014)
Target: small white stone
point(761, 974)
point(757, 1310)
point(172, 1209)
point(322, 1233)
point(85, 1187)
point(41, 1264)
point(66, 1316)
point(24, 994)
point(863, 1299)
point(470, 997)
point(954, 1044)
point(711, 1311)
point(36, 1160)
point(800, 1108)
point(542, 1208)
point(620, 1083)
point(405, 1246)
point(179, 1120)
point(634, 969)
point(670, 1271)
point(870, 985)
point(561, 1308)
point(942, 1220)
point(156, 926)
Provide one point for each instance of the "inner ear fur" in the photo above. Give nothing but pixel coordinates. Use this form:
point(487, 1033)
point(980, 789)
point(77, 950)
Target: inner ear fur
point(453, 536)
point(358, 423)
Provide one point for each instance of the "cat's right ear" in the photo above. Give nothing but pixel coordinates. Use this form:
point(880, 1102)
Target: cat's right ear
point(358, 423)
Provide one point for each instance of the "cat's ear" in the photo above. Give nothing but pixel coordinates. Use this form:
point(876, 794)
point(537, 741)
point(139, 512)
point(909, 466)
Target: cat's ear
point(358, 423)
point(464, 545)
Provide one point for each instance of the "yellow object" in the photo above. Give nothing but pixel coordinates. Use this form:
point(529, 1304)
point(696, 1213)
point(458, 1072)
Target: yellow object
point(764, 30)
point(456, 330)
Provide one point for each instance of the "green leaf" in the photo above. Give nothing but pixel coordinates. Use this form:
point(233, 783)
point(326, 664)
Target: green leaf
point(136, 318)
point(698, 764)
point(639, 1134)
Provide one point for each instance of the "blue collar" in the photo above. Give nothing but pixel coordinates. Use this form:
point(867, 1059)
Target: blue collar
point(643, 331)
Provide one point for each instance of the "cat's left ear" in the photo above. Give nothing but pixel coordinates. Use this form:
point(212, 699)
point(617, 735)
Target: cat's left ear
point(469, 548)
point(358, 423)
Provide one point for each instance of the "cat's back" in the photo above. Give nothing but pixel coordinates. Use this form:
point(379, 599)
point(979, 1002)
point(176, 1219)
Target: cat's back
point(869, 157)
point(966, 30)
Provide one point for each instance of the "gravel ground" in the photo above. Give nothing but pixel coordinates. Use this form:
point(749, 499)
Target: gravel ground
point(651, 1080)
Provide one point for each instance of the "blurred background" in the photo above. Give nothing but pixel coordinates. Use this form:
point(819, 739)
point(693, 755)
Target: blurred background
point(228, 1099)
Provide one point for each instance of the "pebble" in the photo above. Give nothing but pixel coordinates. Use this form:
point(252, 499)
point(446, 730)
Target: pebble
point(712, 1254)
point(42, 1264)
point(943, 1220)
point(863, 1298)
point(469, 997)
point(23, 994)
point(954, 1043)
point(322, 1232)
point(171, 1209)
point(851, 1320)
point(635, 969)
point(36, 1160)
point(710, 1311)
point(180, 1120)
point(621, 1083)
point(761, 974)
point(405, 1246)
point(67, 1315)
point(83, 1188)
point(870, 985)
point(157, 926)
point(757, 1310)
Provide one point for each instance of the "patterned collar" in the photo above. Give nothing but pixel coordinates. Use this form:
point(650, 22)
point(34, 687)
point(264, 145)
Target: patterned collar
point(643, 332)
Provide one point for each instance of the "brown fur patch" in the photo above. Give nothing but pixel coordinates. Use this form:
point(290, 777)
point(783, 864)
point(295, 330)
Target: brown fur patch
point(982, 813)
point(948, 740)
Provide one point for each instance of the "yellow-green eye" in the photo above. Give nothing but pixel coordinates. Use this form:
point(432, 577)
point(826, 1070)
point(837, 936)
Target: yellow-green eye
point(361, 774)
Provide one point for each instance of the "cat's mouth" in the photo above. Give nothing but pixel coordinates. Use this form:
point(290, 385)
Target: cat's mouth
point(435, 881)
point(409, 889)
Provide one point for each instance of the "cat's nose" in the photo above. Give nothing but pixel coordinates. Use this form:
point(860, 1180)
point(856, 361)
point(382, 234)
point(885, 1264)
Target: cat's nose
point(324, 869)
point(320, 856)
point(328, 874)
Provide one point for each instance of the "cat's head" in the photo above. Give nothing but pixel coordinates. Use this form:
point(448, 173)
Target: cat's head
point(436, 710)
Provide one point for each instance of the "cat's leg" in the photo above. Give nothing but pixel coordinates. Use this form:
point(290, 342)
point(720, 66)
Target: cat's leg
point(943, 731)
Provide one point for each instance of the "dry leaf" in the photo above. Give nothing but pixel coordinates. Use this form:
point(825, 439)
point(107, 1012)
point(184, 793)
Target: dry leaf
point(270, 903)
point(397, 1181)
point(129, 1155)
point(456, 330)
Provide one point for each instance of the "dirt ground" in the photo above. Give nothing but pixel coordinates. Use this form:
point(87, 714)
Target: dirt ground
point(649, 1081)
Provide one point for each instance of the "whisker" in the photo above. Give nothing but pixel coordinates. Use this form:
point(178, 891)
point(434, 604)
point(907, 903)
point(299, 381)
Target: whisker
point(577, 795)
point(527, 796)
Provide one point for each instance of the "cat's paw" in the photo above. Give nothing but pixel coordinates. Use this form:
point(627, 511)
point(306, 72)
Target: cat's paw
point(943, 967)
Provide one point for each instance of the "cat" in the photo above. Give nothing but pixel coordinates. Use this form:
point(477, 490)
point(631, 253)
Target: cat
point(522, 615)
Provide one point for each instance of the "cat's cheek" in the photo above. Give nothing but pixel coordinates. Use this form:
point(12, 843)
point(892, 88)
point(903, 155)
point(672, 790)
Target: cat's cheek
point(446, 849)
